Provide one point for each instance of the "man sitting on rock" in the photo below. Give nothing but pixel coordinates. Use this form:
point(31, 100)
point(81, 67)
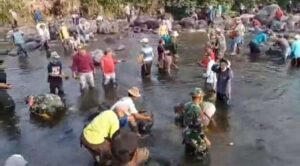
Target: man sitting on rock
point(45, 105)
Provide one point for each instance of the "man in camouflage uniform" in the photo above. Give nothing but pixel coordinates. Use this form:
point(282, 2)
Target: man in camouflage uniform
point(193, 109)
point(196, 143)
point(45, 104)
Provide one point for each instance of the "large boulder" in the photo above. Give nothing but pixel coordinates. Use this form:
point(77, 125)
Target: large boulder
point(176, 26)
point(291, 21)
point(108, 27)
point(188, 22)
point(246, 18)
point(97, 55)
point(140, 21)
point(267, 14)
point(123, 24)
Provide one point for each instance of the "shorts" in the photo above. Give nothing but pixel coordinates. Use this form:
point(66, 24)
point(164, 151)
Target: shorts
point(254, 48)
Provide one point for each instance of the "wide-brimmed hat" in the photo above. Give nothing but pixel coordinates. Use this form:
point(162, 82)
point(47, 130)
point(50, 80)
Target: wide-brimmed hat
point(197, 92)
point(144, 40)
point(134, 91)
point(54, 55)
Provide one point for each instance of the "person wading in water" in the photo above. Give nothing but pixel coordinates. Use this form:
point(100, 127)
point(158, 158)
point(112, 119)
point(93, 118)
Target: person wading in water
point(146, 58)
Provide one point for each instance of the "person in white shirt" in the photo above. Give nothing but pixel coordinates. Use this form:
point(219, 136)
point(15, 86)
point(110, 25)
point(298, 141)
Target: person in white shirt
point(133, 113)
point(44, 34)
point(14, 18)
point(128, 12)
point(211, 77)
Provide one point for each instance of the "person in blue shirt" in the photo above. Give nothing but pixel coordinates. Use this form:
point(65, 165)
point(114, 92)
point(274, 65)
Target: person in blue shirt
point(258, 40)
point(18, 40)
point(210, 15)
point(38, 17)
point(295, 55)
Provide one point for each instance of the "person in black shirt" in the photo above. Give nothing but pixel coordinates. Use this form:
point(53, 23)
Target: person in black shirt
point(6, 101)
point(55, 74)
point(290, 7)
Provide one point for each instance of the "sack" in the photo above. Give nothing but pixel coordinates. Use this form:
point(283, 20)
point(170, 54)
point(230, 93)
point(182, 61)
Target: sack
point(233, 34)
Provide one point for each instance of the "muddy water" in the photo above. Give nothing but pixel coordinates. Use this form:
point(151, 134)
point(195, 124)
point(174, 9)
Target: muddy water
point(263, 120)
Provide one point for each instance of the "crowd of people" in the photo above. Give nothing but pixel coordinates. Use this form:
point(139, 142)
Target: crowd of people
point(104, 136)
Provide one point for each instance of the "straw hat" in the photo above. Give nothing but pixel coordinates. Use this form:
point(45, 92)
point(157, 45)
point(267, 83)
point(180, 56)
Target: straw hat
point(144, 40)
point(134, 91)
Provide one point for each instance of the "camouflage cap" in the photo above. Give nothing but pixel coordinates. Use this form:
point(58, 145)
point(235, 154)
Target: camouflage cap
point(197, 92)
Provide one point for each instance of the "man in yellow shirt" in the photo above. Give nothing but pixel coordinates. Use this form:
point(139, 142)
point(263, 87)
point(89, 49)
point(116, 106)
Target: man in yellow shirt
point(163, 29)
point(97, 135)
point(64, 35)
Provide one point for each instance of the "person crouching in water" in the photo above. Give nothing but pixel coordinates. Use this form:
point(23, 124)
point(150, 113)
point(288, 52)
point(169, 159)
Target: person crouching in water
point(258, 40)
point(146, 58)
point(283, 43)
point(55, 75)
point(45, 105)
point(295, 55)
point(224, 77)
point(126, 151)
point(97, 135)
point(133, 95)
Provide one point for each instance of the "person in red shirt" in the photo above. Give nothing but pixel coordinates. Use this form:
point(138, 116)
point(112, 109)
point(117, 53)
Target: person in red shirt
point(108, 66)
point(204, 62)
point(255, 22)
point(279, 14)
point(83, 68)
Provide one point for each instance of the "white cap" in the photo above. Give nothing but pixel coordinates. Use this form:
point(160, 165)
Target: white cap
point(144, 40)
point(175, 34)
point(218, 29)
point(15, 160)
point(99, 18)
point(297, 37)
